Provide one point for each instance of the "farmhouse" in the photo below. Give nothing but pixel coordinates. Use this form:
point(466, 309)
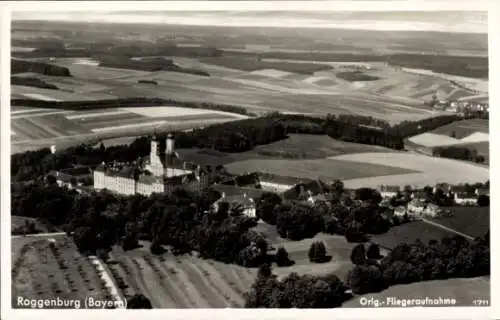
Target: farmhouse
point(465, 198)
point(72, 177)
point(161, 171)
point(241, 197)
point(311, 191)
point(389, 191)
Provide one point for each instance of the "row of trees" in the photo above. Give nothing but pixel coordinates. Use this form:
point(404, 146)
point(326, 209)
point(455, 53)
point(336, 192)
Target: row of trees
point(407, 263)
point(22, 66)
point(294, 291)
point(457, 152)
point(183, 221)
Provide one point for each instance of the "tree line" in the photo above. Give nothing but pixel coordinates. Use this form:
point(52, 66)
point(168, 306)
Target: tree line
point(459, 153)
point(22, 66)
point(453, 257)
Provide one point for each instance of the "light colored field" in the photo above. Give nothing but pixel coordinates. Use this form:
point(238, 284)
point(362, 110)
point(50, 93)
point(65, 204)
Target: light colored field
point(464, 291)
point(40, 273)
point(273, 73)
point(326, 169)
point(433, 140)
point(476, 137)
point(432, 170)
point(172, 111)
point(87, 62)
point(40, 97)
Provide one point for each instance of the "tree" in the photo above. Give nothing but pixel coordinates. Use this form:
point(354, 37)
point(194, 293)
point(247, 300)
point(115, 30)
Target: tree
point(282, 258)
point(483, 201)
point(265, 207)
point(358, 255)
point(156, 248)
point(317, 252)
point(139, 301)
point(373, 251)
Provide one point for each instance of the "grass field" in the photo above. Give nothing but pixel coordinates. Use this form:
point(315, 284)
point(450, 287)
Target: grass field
point(410, 232)
point(464, 291)
point(463, 128)
point(473, 221)
point(42, 272)
point(430, 170)
point(326, 169)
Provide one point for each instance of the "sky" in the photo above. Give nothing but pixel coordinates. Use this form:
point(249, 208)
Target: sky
point(455, 21)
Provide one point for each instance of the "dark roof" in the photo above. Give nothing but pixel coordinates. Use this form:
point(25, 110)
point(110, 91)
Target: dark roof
point(78, 171)
point(263, 176)
point(384, 188)
point(314, 187)
point(66, 178)
point(419, 194)
point(236, 191)
point(466, 195)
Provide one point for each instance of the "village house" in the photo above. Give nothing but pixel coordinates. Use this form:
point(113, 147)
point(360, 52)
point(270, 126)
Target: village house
point(400, 211)
point(482, 191)
point(415, 207)
point(312, 191)
point(432, 210)
point(238, 197)
point(73, 177)
point(465, 198)
point(389, 191)
point(419, 195)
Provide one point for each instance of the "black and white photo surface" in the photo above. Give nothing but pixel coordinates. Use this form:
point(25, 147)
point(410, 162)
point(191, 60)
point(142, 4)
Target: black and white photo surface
point(242, 159)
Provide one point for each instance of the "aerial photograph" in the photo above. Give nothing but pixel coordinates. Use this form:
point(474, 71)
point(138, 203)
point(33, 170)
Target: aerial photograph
point(245, 159)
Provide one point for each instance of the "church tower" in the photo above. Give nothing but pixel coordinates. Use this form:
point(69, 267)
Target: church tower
point(170, 145)
point(154, 157)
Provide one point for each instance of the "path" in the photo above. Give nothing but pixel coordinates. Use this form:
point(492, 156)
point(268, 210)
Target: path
point(447, 229)
point(39, 235)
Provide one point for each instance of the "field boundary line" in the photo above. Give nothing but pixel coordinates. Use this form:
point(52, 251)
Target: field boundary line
point(447, 229)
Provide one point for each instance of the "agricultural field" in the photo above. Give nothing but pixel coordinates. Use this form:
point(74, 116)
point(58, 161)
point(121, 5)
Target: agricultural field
point(426, 170)
point(41, 127)
point(472, 134)
point(464, 128)
point(463, 290)
point(410, 232)
point(473, 221)
point(325, 169)
point(50, 267)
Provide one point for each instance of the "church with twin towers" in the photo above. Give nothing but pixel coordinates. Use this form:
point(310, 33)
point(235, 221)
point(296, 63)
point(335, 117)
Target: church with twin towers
point(161, 171)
